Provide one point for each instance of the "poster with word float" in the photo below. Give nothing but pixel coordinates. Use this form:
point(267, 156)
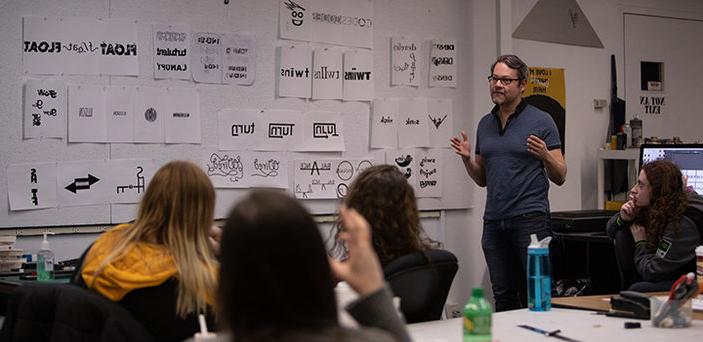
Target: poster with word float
point(327, 74)
point(239, 59)
point(358, 75)
point(171, 51)
point(44, 109)
point(182, 116)
point(82, 183)
point(128, 178)
point(84, 46)
point(413, 129)
point(246, 169)
point(240, 129)
point(341, 22)
point(119, 111)
point(429, 173)
point(283, 129)
point(384, 123)
point(149, 111)
point(206, 57)
point(295, 77)
point(441, 123)
point(406, 161)
point(32, 186)
point(86, 114)
point(404, 67)
point(323, 131)
point(443, 63)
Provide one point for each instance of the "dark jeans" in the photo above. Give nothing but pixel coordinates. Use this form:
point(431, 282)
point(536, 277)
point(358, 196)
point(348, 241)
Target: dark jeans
point(504, 245)
point(625, 256)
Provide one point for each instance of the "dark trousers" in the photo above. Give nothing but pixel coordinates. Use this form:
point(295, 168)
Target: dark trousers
point(625, 256)
point(504, 245)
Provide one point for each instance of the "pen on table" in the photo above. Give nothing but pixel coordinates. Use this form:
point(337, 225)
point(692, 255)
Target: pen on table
point(554, 333)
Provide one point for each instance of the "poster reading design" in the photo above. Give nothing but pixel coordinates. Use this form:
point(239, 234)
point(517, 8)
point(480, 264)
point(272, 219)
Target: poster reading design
point(341, 22)
point(171, 51)
point(44, 109)
point(83, 46)
point(404, 59)
point(546, 90)
point(443, 63)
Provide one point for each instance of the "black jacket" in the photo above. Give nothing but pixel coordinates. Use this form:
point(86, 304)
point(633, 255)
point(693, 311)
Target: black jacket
point(63, 312)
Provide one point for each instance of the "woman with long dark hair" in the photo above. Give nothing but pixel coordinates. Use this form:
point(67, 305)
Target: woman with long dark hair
point(655, 236)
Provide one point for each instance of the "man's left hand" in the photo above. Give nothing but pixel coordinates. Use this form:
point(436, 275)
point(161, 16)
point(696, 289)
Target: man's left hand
point(537, 147)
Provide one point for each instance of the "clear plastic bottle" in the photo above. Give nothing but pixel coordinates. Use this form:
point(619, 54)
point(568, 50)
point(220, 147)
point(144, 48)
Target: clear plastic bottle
point(627, 129)
point(45, 261)
point(477, 318)
point(539, 279)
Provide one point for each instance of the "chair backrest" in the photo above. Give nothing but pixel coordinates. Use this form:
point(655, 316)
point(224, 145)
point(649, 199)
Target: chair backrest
point(422, 281)
point(64, 312)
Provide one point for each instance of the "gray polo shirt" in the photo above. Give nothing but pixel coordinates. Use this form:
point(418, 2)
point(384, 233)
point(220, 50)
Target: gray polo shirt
point(516, 181)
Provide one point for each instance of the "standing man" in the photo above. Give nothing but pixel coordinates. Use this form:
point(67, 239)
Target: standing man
point(518, 150)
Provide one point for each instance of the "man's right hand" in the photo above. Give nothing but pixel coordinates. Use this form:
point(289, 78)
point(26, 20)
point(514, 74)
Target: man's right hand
point(461, 146)
point(628, 211)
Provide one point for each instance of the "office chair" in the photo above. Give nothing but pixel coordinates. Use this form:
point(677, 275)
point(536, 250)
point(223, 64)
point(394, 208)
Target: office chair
point(422, 281)
point(64, 312)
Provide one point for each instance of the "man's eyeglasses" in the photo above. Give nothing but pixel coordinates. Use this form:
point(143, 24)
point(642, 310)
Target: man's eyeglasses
point(503, 81)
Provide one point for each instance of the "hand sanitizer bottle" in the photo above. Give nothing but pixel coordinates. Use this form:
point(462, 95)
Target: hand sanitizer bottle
point(45, 260)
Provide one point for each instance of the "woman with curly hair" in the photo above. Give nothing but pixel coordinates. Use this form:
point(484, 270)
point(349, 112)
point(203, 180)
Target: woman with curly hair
point(383, 196)
point(655, 232)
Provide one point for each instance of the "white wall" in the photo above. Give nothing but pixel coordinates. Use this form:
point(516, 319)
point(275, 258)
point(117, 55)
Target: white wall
point(587, 78)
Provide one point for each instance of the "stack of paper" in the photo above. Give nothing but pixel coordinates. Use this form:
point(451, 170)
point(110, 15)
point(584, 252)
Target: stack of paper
point(10, 257)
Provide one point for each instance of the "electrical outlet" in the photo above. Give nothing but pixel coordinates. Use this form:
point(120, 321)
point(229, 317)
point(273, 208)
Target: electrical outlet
point(452, 310)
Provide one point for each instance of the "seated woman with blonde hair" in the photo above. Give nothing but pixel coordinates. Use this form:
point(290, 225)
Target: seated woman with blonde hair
point(161, 267)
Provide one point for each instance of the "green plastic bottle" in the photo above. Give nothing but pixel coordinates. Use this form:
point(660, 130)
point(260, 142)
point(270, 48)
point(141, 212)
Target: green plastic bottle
point(477, 317)
point(45, 261)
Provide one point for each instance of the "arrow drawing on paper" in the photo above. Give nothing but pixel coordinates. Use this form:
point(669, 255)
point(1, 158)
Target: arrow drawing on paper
point(82, 183)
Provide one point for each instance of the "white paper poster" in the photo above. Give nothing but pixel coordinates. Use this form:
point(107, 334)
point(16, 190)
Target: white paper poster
point(44, 109)
point(315, 179)
point(358, 75)
point(86, 114)
point(440, 113)
point(182, 121)
point(31, 186)
point(443, 63)
point(239, 59)
point(404, 57)
point(118, 47)
point(171, 51)
point(246, 169)
point(128, 179)
point(405, 161)
point(429, 178)
point(413, 129)
point(295, 77)
point(119, 110)
point(85, 46)
point(384, 123)
point(326, 178)
point(240, 129)
point(206, 61)
point(149, 111)
point(323, 131)
point(327, 74)
point(82, 183)
point(283, 131)
point(341, 22)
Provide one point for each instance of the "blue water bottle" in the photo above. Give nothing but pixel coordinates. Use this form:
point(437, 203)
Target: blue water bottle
point(539, 279)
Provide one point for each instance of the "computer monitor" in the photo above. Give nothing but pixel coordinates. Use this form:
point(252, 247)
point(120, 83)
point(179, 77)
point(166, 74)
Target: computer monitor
point(688, 157)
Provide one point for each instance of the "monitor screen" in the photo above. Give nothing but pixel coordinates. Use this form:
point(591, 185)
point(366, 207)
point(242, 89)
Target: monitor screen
point(688, 157)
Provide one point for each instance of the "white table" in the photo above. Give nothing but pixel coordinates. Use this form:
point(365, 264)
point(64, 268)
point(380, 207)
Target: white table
point(577, 324)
